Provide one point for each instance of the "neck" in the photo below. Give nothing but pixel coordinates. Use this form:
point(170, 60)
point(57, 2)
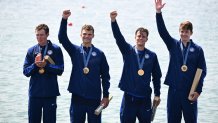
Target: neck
point(185, 42)
point(43, 44)
point(141, 48)
point(87, 45)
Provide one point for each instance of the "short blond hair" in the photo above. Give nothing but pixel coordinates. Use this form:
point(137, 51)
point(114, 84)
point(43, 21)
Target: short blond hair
point(88, 27)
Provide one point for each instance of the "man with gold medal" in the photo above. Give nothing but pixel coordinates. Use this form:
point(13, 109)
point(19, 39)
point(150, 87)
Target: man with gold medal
point(140, 67)
point(43, 63)
point(90, 73)
point(185, 58)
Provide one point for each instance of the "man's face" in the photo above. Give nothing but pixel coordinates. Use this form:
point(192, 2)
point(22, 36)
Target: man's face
point(141, 38)
point(185, 34)
point(87, 36)
point(41, 37)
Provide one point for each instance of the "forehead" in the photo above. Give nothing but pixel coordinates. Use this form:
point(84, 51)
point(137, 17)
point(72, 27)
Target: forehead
point(141, 33)
point(87, 31)
point(184, 30)
point(41, 31)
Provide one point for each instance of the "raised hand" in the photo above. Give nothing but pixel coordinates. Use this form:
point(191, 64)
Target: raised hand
point(159, 5)
point(66, 14)
point(113, 15)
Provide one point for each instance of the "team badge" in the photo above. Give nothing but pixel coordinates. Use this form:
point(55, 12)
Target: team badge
point(192, 49)
point(94, 53)
point(50, 52)
point(147, 56)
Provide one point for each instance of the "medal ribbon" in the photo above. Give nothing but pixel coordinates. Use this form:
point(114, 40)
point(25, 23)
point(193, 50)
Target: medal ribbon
point(140, 64)
point(40, 50)
point(86, 60)
point(186, 54)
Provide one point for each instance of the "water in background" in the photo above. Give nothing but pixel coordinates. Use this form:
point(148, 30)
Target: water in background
point(18, 21)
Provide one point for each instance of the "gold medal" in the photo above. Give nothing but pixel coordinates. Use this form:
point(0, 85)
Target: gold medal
point(86, 70)
point(140, 72)
point(184, 68)
point(41, 70)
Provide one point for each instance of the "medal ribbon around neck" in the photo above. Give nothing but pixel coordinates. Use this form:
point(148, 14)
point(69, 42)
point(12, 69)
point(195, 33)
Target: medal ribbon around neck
point(42, 70)
point(184, 58)
point(40, 50)
point(86, 60)
point(140, 64)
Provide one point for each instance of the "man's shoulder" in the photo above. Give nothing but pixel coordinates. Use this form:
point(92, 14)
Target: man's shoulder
point(195, 45)
point(97, 49)
point(150, 51)
point(32, 47)
point(54, 45)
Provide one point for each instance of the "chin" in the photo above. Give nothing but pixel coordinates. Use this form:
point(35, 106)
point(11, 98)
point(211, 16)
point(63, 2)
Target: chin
point(86, 41)
point(140, 44)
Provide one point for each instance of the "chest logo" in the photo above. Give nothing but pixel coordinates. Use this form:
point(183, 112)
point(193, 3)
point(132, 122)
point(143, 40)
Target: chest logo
point(192, 49)
point(147, 56)
point(50, 52)
point(94, 53)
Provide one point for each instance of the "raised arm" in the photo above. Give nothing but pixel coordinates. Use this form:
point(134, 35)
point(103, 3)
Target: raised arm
point(120, 40)
point(164, 34)
point(62, 35)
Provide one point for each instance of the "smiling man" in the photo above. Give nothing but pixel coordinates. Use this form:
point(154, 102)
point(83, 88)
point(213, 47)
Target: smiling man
point(185, 58)
point(90, 73)
point(140, 66)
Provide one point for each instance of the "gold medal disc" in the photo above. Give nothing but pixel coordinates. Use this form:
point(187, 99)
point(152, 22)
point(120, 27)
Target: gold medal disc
point(184, 68)
point(41, 70)
point(85, 70)
point(140, 72)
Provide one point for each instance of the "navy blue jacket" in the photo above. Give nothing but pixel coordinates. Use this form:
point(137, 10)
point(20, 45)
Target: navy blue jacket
point(175, 78)
point(86, 85)
point(44, 85)
point(131, 82)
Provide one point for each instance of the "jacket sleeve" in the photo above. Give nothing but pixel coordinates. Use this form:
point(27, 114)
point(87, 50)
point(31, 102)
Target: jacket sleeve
point(63, 38)
point(105, 76)
point(156, 77)
point(120, 40)
point(164, 34)
point(201, 65)
point(58, 67)
point(29, 67)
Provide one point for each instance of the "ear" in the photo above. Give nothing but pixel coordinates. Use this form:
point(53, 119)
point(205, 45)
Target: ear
point(146, 39)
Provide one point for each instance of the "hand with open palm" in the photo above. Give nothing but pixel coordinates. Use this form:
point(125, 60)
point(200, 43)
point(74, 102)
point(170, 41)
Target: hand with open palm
point(159, 5)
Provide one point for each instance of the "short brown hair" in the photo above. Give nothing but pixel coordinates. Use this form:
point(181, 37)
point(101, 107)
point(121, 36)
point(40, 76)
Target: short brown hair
point(141, 29)
point(44, 27)
point(186, 25)
point(88, 27)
